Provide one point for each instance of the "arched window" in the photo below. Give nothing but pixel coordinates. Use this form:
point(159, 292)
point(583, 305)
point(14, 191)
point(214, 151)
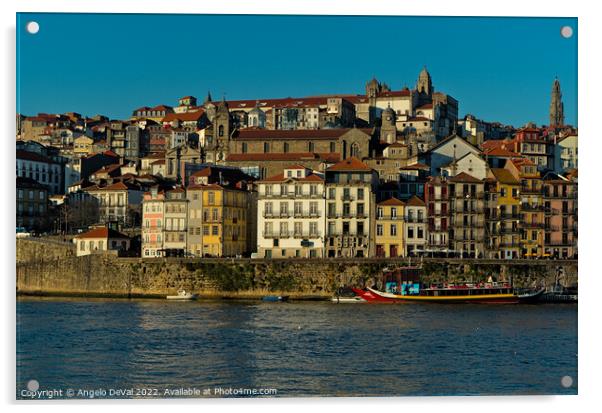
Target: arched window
point(220, 130)
point(355, 150)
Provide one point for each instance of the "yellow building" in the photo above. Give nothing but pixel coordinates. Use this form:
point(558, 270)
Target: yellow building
point(82, 146)
point(508, 213)
point(217, 221)
point(532, 219)
point(389, 238)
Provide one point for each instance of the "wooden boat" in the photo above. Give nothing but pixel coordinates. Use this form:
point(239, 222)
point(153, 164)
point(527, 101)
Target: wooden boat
point(403, 285)
point(275, 298)
point(182, 295)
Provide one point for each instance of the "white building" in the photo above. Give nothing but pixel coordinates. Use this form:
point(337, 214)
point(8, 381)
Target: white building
point(565, 154)
point(41, 168)
point(100, 240)
point(448, 150)
point(290, 214)
point(471, 163)
point(415, 226)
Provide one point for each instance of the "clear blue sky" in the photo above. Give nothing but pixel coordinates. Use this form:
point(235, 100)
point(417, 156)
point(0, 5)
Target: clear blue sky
point(500, 69)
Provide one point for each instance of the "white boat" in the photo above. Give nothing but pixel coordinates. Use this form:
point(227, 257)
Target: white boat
point(347, 300)
point(182, 295)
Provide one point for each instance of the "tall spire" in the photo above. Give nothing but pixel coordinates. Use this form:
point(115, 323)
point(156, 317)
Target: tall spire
point(556, 106)
point(425, 83)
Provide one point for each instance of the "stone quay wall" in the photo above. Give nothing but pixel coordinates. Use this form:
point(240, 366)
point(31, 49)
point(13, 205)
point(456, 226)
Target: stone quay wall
point(51, 268)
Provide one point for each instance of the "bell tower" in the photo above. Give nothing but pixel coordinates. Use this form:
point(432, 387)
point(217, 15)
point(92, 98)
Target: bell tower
point(556, 106)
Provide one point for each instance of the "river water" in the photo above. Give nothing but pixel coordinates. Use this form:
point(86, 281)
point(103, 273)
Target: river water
point(222, 348)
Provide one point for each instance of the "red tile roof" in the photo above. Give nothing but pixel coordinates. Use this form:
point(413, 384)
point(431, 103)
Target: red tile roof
point(501, 152)
point(416, 167)
point(415, 201)
point(184, 117)
point(32, 156)
point(278, 134)
point(392, 202)
point(464, 177)
point(295, 166)
point(281, 178)
point(290, 156)
point(350, 164)
point(102, 232)
point(504, 176)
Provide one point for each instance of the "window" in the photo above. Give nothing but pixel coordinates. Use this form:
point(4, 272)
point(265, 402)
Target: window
point(393, 230)
point(360, 193)
point(244, 147)
point(360, 209)
point(310, 147)
point(266, 147)
point(214, 230)
point(379, 229)
point(333, 147)
point(285, 147)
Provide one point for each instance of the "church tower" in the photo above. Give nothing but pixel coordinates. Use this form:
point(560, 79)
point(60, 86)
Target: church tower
point(221, 130)
point(556, 106)
point(388, 130)
point(424, 84)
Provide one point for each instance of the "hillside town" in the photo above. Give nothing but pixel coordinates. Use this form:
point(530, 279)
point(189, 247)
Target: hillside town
point(388, 173)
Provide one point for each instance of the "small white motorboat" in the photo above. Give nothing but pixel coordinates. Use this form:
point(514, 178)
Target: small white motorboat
point(182, 295)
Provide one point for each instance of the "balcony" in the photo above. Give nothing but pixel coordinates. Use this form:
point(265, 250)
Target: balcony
point(477, 210)
point(509, 216)
point(531, 208)
point(475, 238)
point(467, 195)
point(306, 214)
point(509, 245)
point(509, 231)
point(468, 225)
point(415, 220)
point(307, 234)
point(552, 228)
point(390, 217)
point(567, 195)
point(531, 191)
point(277, 234)
point(347, 198)
point(349, 234)
point(567, 243)
point(532, 225)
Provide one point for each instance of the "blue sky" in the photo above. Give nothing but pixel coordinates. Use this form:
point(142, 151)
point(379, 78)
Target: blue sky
point(500, 69)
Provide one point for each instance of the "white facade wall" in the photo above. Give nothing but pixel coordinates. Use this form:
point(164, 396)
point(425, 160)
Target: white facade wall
point(565, 154)
point(289, 218)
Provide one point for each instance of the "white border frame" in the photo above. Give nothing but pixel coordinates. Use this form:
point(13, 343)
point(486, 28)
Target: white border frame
point(590, 145)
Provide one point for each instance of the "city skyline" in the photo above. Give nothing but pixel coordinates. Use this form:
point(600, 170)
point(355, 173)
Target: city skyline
point(158, 70)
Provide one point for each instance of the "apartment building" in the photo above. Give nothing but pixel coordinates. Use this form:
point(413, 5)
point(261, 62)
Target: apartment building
point(390, 229)
point(291, 214)
point(350, 202)
point(415, 226)
point(467, 204)
point(560, 203)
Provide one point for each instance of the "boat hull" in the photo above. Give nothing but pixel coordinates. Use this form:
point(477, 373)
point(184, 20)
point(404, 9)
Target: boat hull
point(375, 296)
